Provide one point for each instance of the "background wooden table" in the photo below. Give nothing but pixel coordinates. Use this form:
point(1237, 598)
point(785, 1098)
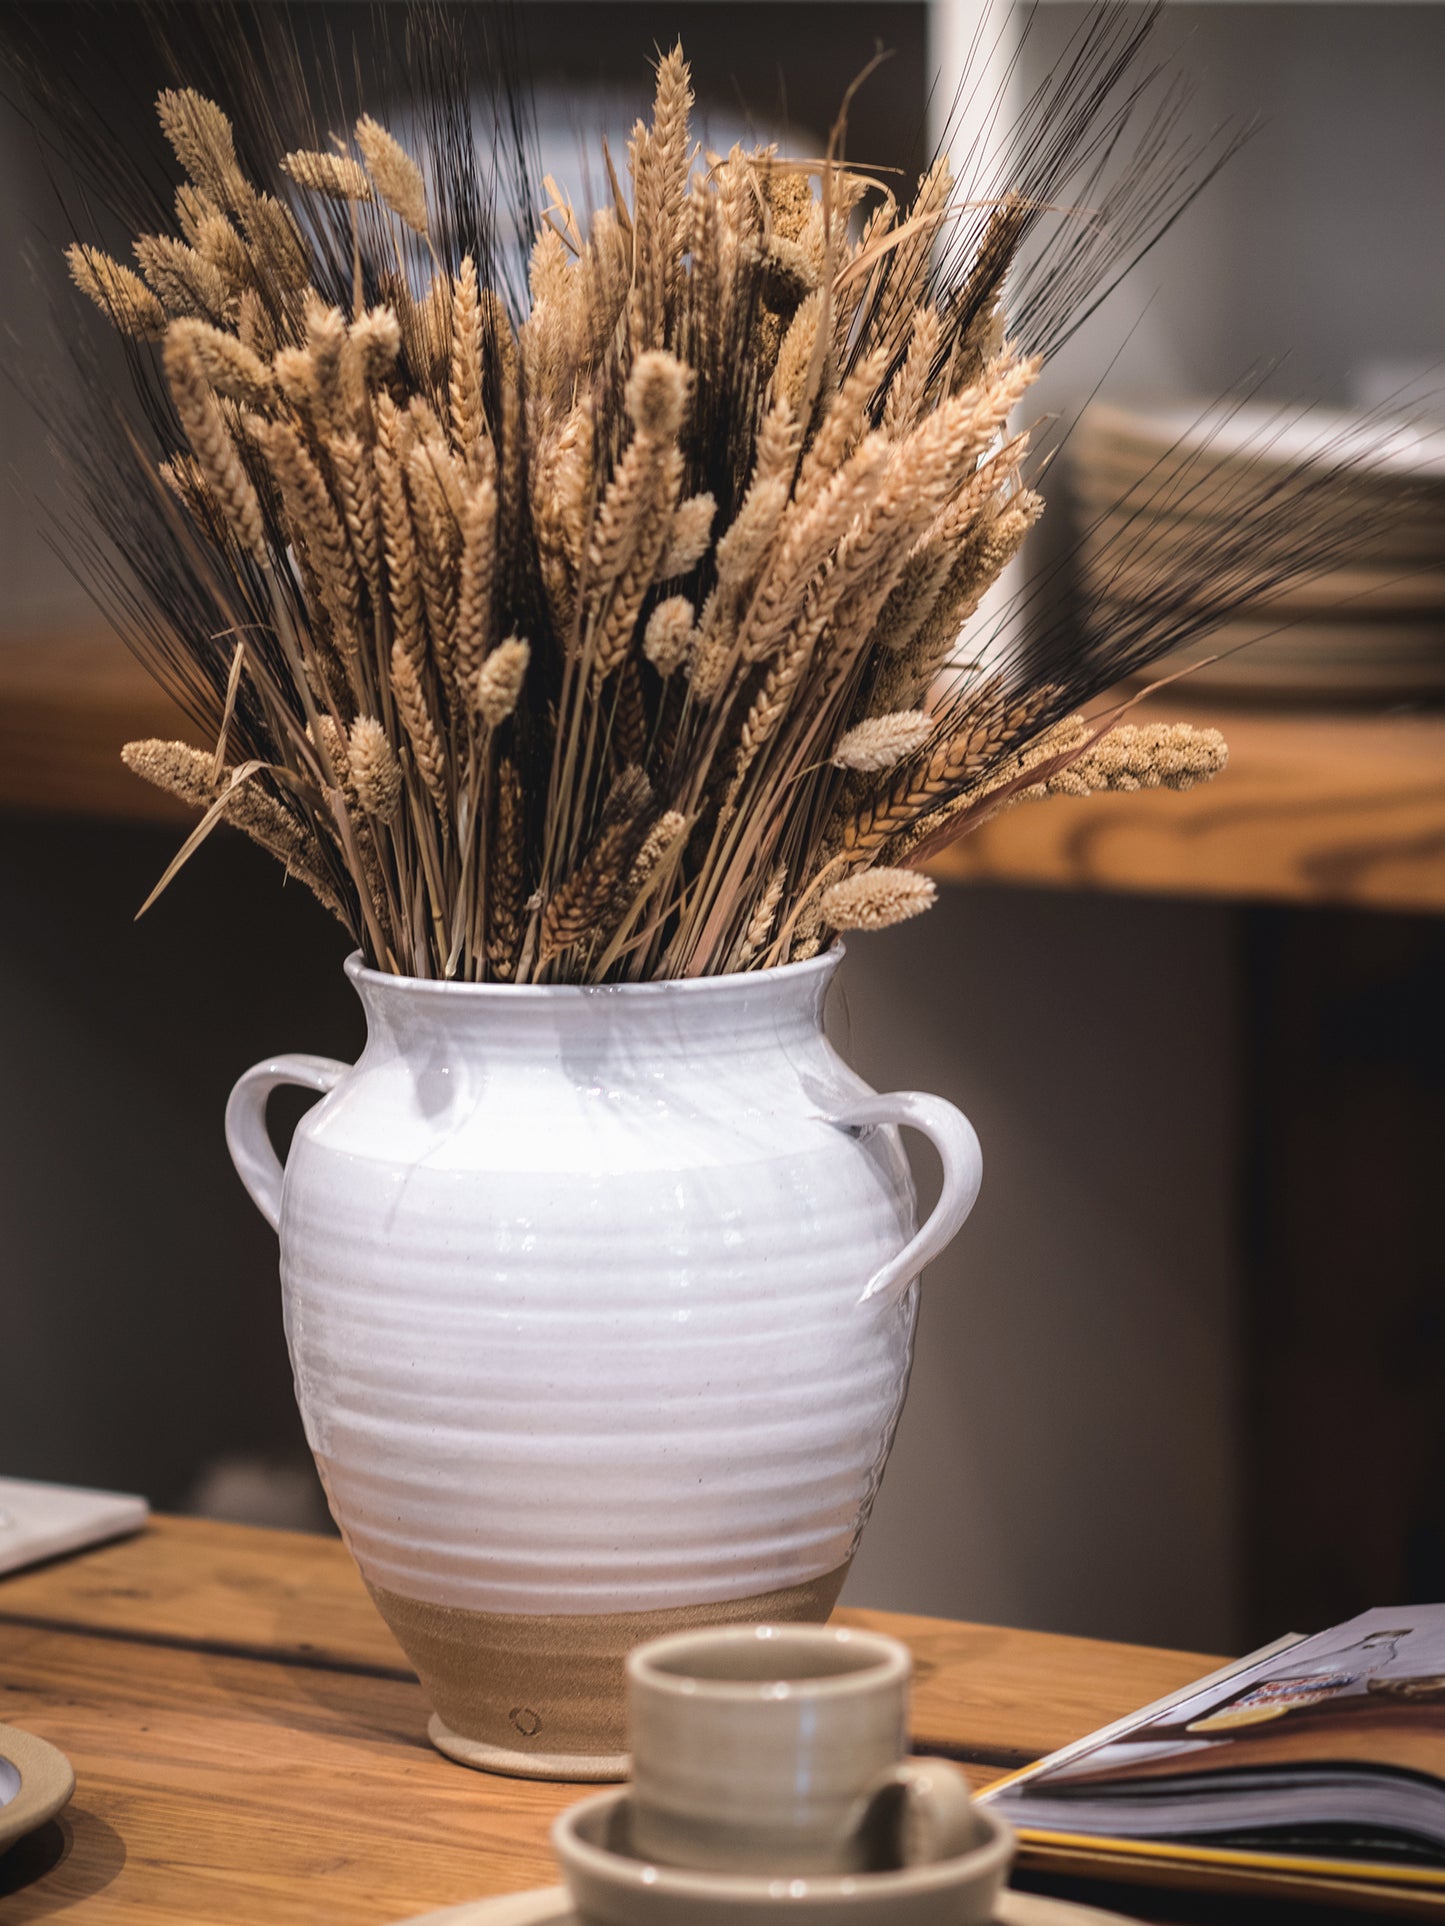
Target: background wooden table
point(249, 1744)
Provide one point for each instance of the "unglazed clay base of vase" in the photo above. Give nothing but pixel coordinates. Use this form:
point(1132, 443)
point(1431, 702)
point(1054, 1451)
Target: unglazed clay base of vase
point(574, 1768)
point(543, 1696)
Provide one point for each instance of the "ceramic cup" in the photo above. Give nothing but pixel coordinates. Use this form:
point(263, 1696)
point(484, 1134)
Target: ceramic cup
point(781, 1749)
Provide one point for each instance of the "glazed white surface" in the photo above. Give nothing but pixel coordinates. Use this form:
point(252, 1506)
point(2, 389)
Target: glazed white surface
point(574, 1287)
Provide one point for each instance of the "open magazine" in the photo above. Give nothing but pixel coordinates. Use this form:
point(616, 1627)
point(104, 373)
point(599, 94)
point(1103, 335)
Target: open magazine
point(1328, 1752)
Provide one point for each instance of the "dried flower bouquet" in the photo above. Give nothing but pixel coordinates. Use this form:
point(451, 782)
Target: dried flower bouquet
point(615, 635)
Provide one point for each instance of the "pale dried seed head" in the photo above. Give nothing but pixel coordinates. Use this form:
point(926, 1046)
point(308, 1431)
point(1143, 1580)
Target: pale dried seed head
point(500, 680)
point(175, 766)
point(185, 281)
point(335, 175)
point(626, 506)
point(779, 437)
point(587, 903)
point(427, 751)
point(374, 768)
point(211, 441)
point(356, 497)
point(549, 269)
point(468, 423)
point(477, 580)
point(662, 841)
point(765, 914)
point(606, 271)
point(193, 206)
point(316, 527)
point(844, 425)
point(882, 741)
point(710, 658)
point(688, 537)
point(327, 340)
point(373, 342)
point(182, 476)
point(403, 567)
point(334, 750)
point(789, 273)
point(506, 885)
point(254, 326)
point(119, 294)
point(1164, 755)
point(397, 177)
point(188, 773)
point(227, 363)
point(790, 201)
point(437, 546)
point(657, 394)
point(795, 357)
point(999, 541)
point(659, 159)
point(744, 544)
point(219, 243)
point(277, 245)
point(669, 634)
point(295, 372)
point(575, 452)
point(907, 393)
point(875, 899)
point(202, 139)
point(423, 419)
point(376, 337)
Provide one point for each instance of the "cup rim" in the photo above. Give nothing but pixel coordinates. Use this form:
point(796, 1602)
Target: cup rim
point(823, 1889)
point(892, 1664)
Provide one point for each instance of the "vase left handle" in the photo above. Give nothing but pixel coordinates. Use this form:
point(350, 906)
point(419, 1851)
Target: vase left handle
point(247, 1139)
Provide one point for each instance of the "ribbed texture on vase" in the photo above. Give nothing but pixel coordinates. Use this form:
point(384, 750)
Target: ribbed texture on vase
point(572, 1286)
point(624, 1411)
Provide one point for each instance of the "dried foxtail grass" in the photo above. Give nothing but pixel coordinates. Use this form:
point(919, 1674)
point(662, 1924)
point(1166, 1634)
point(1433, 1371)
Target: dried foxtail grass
point(588, 605)
point(876, 899)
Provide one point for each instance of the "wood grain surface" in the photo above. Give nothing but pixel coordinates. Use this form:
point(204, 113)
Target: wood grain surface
point(996, 1696)
point(250, 1746)
point(249, 1743)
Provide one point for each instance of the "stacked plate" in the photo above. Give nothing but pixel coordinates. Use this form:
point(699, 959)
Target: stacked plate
point(1148, 482)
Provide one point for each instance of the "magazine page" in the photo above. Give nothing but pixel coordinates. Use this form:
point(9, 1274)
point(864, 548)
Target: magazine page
point(1367, 1693)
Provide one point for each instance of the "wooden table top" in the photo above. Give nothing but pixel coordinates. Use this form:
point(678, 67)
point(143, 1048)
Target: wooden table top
point(249, 1743)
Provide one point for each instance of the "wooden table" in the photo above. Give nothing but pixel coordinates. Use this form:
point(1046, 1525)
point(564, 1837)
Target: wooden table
point(249, 1744)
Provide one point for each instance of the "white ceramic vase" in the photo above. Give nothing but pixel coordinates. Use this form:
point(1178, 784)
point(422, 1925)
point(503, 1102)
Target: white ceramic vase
point(600, 1304)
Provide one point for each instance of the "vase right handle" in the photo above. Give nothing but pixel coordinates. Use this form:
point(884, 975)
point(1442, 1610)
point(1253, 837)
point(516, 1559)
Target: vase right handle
point(956, 1141)
point(252, 1152)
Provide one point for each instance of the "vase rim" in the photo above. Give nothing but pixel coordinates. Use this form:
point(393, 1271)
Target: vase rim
point(823, 965)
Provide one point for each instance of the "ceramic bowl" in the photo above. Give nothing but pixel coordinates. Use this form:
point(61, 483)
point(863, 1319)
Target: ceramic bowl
point(35, 1782)
point(612, 1887)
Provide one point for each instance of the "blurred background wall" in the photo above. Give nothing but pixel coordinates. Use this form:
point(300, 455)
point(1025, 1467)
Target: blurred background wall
point(1084, 1444)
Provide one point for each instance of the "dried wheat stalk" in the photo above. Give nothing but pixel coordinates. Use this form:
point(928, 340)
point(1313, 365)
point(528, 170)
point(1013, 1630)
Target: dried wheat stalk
point(603, 639)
